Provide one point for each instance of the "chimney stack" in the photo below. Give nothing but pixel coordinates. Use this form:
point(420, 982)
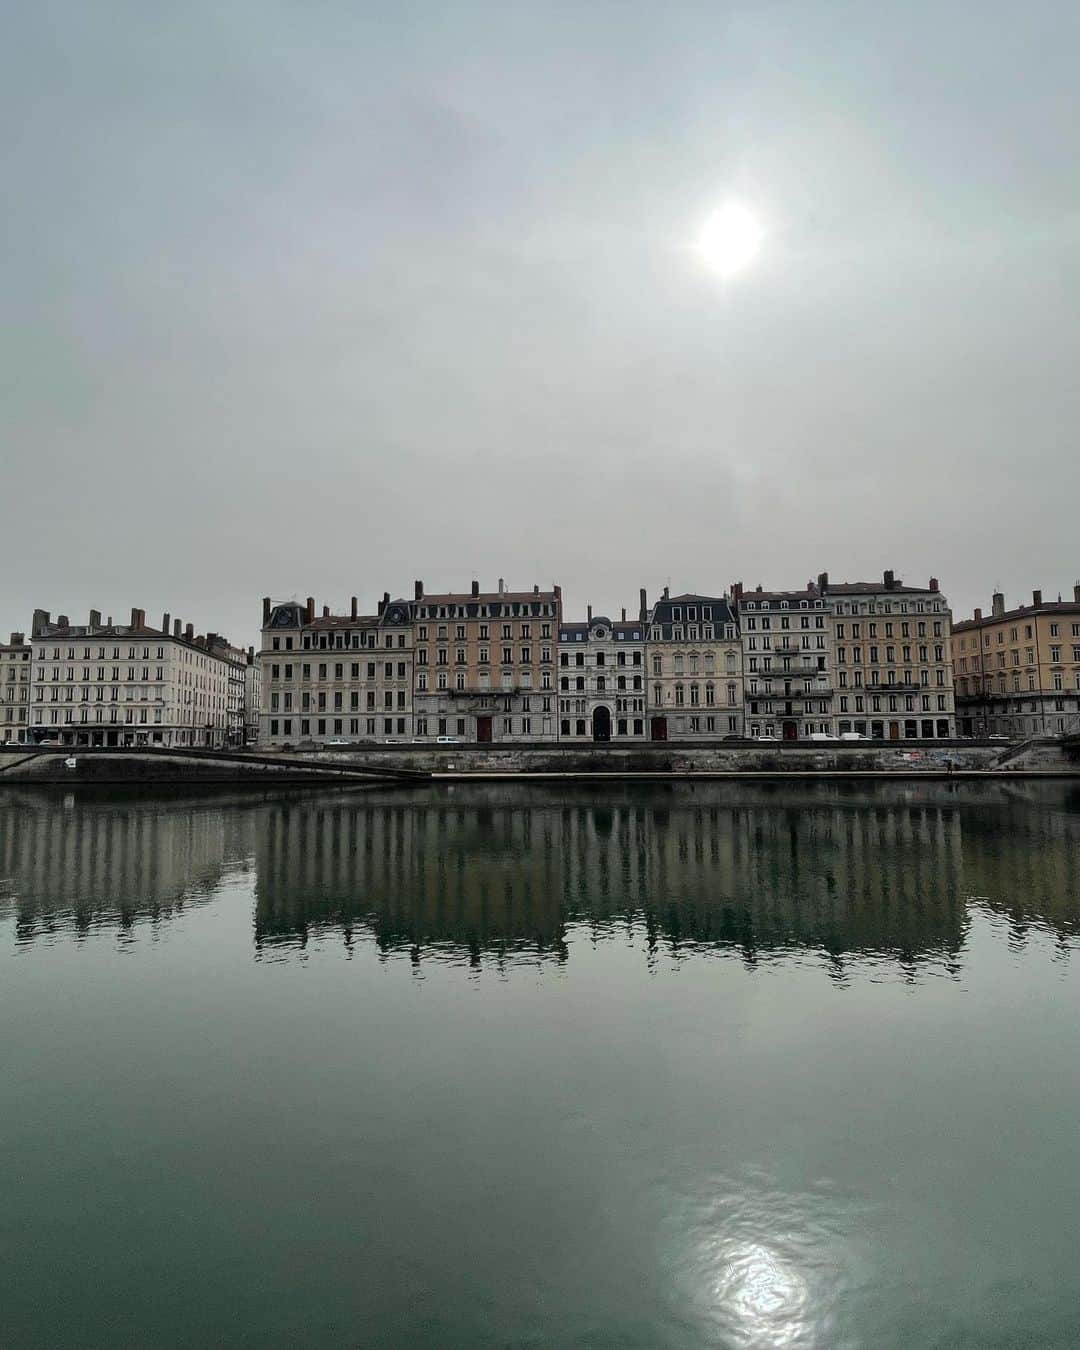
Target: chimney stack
point(643, 605)
point(266, 611)
point(326, 611)
point(624, 615)
point(251, 656)
point(978, 615)
point(165, 620)
point(63, 620)
point(502, 586)
point(666, 595)
point(17, 639)
point(736, 591)
point(536, 589)
point(95, 618)
point(476, 588)
point(935, 585)
point(998, 604)
point(175, 628)
point(418, 590)
point(588, 610)
point(1036, 599)
point(1076, 592)
point(189, 632)
point(310, 613)
point(353, 610)
point(823, 582)
point(39, 623)
point(889, 578)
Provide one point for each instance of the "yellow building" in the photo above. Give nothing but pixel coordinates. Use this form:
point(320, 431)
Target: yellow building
point(1018, 670)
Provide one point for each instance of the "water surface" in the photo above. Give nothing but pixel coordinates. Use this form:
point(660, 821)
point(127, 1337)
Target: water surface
point(656, 1066)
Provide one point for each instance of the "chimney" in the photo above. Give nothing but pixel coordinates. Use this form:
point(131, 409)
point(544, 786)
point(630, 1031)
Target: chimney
point(476, 588)
point(379, 607)
point(737, 590)
point(211, 639)
point(189, 632)
point(1076, 592)
point(935, 585)
point(998, 604)
point(588, 610)
point(17, 639)
point(326, 611)
point(536, 590)
point(251, 656)
point(418, 590)
point(62, 620)
point(353, 610)
point(39, 623)
point(624, 615)
point(165, 622)
point(309, 616)
point(889, 578)
point(502, 586)
point(266, 611)
point(1036, 599)
point(134, 618)
point(666, 595)
point(175, 627)
point(108, 622)
point(978, 615)
point(556, 590)
point(643, 607)
point(823, 582)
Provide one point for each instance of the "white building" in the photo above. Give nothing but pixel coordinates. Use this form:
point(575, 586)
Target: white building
point(602, 680)
point(129, 684)
point(14, 688)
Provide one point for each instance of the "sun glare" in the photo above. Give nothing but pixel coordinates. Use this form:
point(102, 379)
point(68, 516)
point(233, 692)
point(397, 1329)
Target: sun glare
point(730, 240)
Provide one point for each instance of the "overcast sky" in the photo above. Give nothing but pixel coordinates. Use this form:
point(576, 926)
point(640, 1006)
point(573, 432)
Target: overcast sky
point(318, 298)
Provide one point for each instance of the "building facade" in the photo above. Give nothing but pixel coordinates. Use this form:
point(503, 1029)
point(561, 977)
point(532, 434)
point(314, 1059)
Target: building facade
point(602, 680)
point(335, 677)
point(130, 684)
point(486, 663)
point(252, 698)
point(1018, 670)
point(788, 662)
point(894, 670)
point(694, 665)
point(15, 671)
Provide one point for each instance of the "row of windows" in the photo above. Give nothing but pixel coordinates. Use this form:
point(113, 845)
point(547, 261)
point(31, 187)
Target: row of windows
point(1029, 633)
point(601, 682)
point(601, 659)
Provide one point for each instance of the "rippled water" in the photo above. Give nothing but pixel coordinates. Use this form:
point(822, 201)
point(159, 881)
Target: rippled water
point(656, 1067)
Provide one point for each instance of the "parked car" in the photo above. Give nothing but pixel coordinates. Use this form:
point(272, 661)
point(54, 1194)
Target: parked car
point(766, 738)
point(447, 740)
point(997, 737)
point(853, 736)
point(822, 736)
point(338, 740)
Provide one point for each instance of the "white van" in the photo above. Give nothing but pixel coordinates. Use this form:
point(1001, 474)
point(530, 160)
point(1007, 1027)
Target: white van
point(446, 740)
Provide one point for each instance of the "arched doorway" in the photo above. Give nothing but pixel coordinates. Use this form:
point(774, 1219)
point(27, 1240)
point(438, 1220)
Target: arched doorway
point(601, 724)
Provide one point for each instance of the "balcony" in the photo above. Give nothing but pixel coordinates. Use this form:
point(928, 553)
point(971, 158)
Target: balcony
point(793, 697)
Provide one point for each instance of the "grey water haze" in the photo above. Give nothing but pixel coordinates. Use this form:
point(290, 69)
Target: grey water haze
point(633, 1068)
point(319, 299)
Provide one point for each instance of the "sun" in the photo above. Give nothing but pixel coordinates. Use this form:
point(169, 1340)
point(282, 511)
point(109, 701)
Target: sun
point(730, 239)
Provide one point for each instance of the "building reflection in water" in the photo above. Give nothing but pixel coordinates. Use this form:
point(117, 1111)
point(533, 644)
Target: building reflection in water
point(518, 871)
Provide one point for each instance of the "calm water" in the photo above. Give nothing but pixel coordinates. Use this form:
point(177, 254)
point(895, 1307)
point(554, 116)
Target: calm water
point(663, 1067)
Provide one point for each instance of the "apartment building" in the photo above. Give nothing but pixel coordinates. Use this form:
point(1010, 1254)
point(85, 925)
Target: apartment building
point(113, 684)
point(1018, 670)
point(602, 680)
point(333, 677)
point(252, 698)
point(694, 668)
point(485, 664)
point(14, 688)
point(789, 660)
point(894, 669)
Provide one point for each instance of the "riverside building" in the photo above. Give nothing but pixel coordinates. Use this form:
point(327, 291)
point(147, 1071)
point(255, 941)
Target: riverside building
point(1018, 670)
point(336, 677)
point(130, 684)
point(485, 664)
point(788, 662)
point(694, 668)
point(894, 669)
point(14, 688)
point(602, 680)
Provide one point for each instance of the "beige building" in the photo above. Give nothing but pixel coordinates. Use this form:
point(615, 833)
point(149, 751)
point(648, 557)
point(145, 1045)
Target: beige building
point(1018, 670)
point(602, 680)
point(694, 666)
point(894, 671)
point(14, 688)
point(336, 677)
point(130, 684)
point(485, 664)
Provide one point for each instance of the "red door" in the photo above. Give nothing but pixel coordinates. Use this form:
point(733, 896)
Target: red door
point(483, 728)
point(659, 729)
point(791, 731)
